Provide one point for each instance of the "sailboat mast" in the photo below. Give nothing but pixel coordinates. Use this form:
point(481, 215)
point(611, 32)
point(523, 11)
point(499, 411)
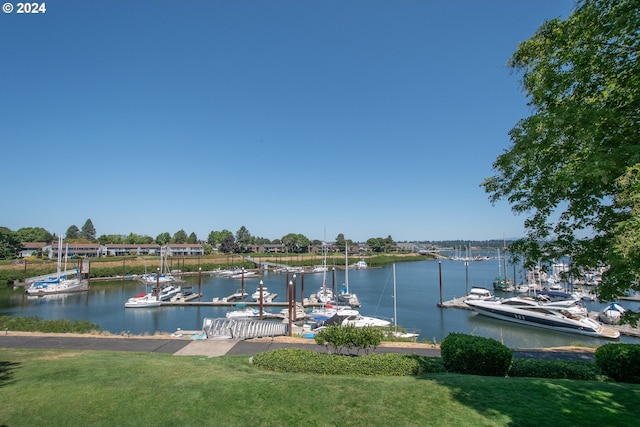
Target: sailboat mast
point(346, 267)
point(395, 315)
point(59, 255)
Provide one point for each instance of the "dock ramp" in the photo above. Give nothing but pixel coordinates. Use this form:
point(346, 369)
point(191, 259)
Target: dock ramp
point(241, 329)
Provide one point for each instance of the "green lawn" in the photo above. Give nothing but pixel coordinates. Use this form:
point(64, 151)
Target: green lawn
point(86, 388)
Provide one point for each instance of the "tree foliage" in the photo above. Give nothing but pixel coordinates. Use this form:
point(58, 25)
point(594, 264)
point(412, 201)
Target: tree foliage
point(180, 236)
point(73, 232)
point(163, 238)
point(572, 165)
point(229, 244)
point(379, 244)
point(243, 239)
point(296, 243)
point(9, 244)
point(33, 234)
point(88, 231)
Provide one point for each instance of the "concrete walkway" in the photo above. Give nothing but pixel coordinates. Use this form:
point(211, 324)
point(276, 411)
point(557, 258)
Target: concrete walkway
point(221, 347)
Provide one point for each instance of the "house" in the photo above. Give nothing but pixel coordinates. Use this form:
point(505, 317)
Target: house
point(113, 249)
point(32, 249)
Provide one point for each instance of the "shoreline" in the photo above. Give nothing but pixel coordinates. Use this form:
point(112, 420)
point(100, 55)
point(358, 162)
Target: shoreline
point(279, 339)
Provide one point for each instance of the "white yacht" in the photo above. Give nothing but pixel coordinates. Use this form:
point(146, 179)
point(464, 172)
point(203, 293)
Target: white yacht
point(527, 311)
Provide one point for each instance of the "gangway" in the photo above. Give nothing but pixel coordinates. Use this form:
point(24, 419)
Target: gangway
point(241, 329)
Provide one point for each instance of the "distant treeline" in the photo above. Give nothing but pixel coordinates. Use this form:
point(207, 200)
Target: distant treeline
point(488, 244)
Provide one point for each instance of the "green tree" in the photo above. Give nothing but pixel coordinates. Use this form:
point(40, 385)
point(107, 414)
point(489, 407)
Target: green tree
point(163, 238)
point(193, 238)
point(180, 236)
point(340, 242)
point(243, 239)
point(88, 231)
point(9, 244)
point(33, 234)
point(105, 239)
point(217, 237)
point(572, 164)
point(377, 244)
point(73, 232)
point(229, 244)
point(296, 243)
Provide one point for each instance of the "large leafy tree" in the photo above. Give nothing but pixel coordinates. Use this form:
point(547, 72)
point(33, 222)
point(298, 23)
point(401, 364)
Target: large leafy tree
point(9, 243)
point(179, 236)
point(34, 234)
point(572, 167)
point(296, 243)
point(73, 232)
point(243, 239)
point(88, 231)
point(163, 238)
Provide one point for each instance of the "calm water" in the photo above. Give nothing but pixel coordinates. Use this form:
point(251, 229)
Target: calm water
point(418, 292)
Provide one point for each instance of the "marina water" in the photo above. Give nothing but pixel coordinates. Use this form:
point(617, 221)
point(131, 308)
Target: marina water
point(417, 291)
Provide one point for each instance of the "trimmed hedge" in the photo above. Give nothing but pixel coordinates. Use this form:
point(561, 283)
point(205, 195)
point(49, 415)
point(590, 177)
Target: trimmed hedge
point(309, 361)
point(468, 354)
point(556, 369)
point(621, 362)
point(348, 337)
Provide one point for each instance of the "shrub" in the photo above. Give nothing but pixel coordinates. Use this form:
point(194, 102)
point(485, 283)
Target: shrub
point(36, 324)
point(468, 354)
point(308, 361)
point(556, 369)
point(621, 362)
point(340, 337)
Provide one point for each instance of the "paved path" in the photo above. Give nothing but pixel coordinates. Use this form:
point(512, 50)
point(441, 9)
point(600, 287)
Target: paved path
point(214, 348)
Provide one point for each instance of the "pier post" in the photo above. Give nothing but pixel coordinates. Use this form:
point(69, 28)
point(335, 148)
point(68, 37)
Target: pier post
point(199, 282)
point(302, 288)
point(289, 295)
point(466, 271)
point(333, 281)
point(293, 296)
point(440, 273)
point(242, 292)
point(158, 284)
point(261, 299)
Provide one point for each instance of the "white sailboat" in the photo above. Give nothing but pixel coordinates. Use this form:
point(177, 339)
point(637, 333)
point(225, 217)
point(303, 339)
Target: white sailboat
point(59, 283)
point(324, 294)
point(344, 295)
point(395, 332)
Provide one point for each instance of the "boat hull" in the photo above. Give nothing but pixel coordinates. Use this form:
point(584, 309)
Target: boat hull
point(577, 325)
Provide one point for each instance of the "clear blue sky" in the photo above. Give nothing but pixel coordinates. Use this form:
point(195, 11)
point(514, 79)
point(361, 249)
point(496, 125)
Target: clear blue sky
point(368, 118)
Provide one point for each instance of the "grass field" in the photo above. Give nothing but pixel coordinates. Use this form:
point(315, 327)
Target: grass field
point(88, 388)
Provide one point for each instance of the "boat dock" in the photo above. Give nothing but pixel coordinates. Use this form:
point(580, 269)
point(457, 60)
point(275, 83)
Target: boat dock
point(454, 303)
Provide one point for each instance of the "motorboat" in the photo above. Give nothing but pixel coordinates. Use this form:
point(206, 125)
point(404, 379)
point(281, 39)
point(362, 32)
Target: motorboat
point(266, 295)
point(361, 265)
point(143, 300)
point(611, 314)
point(479, 293)
point(527, 311)
point(243, 312)
point(169, 292)
point(360, 321)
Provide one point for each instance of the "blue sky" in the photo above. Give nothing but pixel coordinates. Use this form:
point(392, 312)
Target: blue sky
point(368, 118)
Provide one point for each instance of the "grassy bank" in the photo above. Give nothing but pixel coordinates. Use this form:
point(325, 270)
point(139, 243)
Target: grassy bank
point(18, 270)
point(52, 387)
